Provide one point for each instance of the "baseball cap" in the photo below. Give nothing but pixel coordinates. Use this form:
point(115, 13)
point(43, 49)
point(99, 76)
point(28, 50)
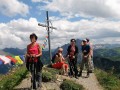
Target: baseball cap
point(84, 40)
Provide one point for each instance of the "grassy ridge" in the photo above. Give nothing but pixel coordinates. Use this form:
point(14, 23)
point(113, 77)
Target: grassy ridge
point(107, 80)
point(112, 54)
point(14, 78)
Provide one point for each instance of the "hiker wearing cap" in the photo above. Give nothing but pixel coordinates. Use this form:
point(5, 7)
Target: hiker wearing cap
point(91, 54)
point(59, 62)
point(72, 53)
point(85, 57)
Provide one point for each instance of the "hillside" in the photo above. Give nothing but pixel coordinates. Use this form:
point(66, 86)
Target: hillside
point(3, 53)
point(112, 54)
point(108, 60)
point(15, 51)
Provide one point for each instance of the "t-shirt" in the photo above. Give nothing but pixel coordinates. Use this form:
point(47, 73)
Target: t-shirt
point(85, 49)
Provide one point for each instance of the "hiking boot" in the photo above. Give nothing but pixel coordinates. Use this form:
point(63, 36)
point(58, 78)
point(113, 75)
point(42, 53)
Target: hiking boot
point(71, 76)
point(76, 77)
point(88, 74)
point(90, 71)
point(39, 85)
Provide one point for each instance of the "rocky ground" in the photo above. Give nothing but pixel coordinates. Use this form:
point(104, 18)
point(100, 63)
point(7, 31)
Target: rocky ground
point(90, 83)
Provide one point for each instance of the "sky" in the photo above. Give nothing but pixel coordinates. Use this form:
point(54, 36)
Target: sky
point(98, 20)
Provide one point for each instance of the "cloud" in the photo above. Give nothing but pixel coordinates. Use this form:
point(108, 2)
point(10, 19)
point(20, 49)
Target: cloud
point(44, 1)
point(97, 30)
point(13, 7)
point(86, 8)
point(16, 32)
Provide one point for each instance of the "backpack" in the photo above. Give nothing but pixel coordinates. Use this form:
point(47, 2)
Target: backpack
point(53, 58)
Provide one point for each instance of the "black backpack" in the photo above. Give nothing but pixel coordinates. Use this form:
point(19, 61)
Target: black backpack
point(53, 58)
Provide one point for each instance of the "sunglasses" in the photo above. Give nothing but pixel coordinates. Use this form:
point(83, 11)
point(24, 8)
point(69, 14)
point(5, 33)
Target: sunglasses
point(72, 41)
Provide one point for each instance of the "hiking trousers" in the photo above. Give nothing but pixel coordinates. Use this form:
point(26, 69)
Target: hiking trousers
point(38, 69)
point(73, 67)
point(86, 62)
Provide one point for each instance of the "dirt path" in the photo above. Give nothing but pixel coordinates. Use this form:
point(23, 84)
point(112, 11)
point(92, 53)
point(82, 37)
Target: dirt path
point(90, 83)
point(26, 85)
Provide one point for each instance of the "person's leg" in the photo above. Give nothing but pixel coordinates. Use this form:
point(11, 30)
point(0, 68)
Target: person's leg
point(81, 67)
point(66, 69)
point(70, 66)
point(75, 67)
point(92, 64)
point(39, 73)
point(63, 69)
point(88, 65)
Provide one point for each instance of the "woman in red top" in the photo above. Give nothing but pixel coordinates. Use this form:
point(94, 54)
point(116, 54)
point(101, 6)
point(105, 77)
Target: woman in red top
point(34, 51)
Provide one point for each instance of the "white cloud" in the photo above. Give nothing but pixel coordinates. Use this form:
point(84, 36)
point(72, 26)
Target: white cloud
point(97, 30)
point(16, 32)
point(86, 8)
point(44, 1)
point(36, 0)
point(13, 7)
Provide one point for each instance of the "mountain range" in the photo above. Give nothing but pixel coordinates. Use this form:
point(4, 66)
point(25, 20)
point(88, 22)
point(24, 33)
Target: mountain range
point(45, 56)
point(106, 52)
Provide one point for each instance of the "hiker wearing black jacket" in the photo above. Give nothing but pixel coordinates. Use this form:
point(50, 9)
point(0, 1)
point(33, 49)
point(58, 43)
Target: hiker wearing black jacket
point(72, 53)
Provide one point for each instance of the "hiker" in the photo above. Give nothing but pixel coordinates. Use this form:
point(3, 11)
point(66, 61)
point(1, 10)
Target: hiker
point(34, 52)
point(91, 54)
point(72, 53)
point(59, 62)
point(85, 57)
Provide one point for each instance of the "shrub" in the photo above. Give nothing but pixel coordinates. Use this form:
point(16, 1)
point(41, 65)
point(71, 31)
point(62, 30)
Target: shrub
point(51, 70)
point(46, 76)
point(49, 73)
point(71, 85)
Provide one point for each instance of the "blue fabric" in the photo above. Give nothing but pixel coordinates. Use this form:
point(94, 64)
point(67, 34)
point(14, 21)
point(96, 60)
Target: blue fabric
point(22, 58)
point(85, 49)
point(1, 62)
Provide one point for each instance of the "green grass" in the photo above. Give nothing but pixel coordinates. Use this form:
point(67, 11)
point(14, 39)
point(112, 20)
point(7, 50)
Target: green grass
point(51, 70)
point(8, 82)
point(71, 85)
point(112, 54)
point(108, 81)
point(49, 74)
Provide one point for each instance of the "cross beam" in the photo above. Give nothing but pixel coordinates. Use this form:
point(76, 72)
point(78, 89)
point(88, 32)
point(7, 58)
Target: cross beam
point(48, 29)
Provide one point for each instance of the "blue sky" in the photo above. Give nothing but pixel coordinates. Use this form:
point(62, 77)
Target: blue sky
point(95, 19)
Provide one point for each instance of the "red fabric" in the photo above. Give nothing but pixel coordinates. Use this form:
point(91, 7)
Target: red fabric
point(59, 65)
point(66, 66)
point(72, 52)
point(33, 50)
point(12, 59)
